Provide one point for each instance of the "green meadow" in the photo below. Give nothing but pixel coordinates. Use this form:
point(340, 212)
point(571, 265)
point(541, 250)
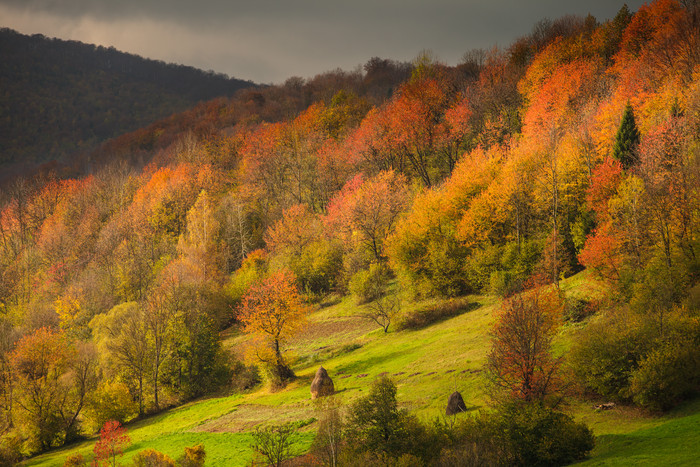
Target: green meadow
point(427, 365)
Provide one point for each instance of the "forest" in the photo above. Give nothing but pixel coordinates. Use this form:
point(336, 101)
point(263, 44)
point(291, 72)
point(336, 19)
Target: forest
point(65, 97)
point(576, 148)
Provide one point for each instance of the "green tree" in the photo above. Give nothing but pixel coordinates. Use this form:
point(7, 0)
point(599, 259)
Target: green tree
point(375, 423)
point(627, 139)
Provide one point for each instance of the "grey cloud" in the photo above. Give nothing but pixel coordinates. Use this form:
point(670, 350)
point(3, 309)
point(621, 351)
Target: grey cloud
point(268, 40)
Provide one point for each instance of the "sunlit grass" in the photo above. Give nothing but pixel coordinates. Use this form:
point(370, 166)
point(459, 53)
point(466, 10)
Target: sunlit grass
point(427, 366)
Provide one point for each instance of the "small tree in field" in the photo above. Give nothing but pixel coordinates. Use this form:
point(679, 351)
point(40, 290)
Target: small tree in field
point(273, 311)
point(274, 444)
point(520, 364)
point(113, 440)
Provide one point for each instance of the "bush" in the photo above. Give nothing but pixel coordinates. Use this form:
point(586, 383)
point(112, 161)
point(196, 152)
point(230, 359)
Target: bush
point(75, 460)
point(608, 350)
point(666, 375)
point(194, 456)
point(517, 434)
point(532, 434)
point(10, 449)
point(318, 269)
point(426, 316)
point(369, 284)
point(376, 425)
point(111, 401)
point(152, 458)
point(577, 309)
point(244, 377)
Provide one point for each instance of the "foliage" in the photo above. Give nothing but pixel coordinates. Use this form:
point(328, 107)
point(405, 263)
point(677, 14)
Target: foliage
point(425, 316)
point(627, 139)
point(375, 423)
point(666, 375)
point(273, 311)
point(626, 356)
point(194, 456)
point(521, 365)
point(113, 440)
point(274, 444)
point(328, 443)
point(532, 434)
point(75, 460)
point(111, 401)
point(370, 284)
point(608, 351)
point(152, 458)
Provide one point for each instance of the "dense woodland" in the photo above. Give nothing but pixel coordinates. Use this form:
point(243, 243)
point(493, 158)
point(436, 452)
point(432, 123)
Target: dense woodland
point(63, 97)
point(575, 147)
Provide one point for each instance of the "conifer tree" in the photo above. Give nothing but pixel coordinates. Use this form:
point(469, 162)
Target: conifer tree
point(627, 139)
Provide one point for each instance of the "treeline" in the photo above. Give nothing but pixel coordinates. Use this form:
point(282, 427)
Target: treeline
point(575, 147)
point(61, 97)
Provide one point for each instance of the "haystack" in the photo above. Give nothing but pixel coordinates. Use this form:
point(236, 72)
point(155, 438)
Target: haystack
point(322, 384)
point(455, 404)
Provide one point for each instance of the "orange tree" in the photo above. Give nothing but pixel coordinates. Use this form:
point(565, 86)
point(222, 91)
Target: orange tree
point(272, 311)
point(520, 364)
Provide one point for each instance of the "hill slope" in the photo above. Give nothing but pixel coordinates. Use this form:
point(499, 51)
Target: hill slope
point(426, 364)
point(63, 96)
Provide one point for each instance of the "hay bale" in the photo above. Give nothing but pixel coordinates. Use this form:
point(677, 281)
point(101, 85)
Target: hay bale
point(322, 384)
point(455, 404)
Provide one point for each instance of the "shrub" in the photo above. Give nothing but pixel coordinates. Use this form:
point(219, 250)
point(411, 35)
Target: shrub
point(375, 425)
point(666, 375)
point(318, 268)
point(10, 449)
point(152, 458)
point(244, 377)
point(111, 401)
point(75, 460)
point(577, 309)
point(194, 456)
point(327, 445)
point(532, 434)
point(608, 350)
point(369, 284)
point(426, 316)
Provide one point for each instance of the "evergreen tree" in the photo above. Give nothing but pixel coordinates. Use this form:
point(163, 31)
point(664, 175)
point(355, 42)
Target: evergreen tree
point(627, 139)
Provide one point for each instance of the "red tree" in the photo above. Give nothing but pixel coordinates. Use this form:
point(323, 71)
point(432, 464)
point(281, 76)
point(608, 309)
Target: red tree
point(113, 440)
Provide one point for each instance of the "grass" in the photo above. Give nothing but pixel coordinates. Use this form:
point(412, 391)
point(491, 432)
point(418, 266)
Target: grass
point(427, 365)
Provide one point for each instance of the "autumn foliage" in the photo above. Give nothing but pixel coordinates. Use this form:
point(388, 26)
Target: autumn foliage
point(450, 180)
point(113, 441)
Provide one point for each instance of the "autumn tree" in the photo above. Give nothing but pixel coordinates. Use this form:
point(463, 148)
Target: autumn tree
point(122, 337)
point(113, 441)
point(272, 311)
point(366, 211)
point(45, 395)
point(520, 364)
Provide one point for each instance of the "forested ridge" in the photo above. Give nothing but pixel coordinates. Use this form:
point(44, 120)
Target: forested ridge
point(63, 97)
point(576, 147)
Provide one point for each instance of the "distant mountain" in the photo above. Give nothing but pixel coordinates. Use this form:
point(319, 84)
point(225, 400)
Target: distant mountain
point(58, 97)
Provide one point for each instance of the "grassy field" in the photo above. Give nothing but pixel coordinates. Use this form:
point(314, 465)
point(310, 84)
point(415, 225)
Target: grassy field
point(427, 365)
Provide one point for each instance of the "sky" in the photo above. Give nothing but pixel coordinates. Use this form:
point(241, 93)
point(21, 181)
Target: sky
point(268, 41)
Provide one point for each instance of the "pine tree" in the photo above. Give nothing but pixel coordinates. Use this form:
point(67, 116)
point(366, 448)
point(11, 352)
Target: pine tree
point(627, 139)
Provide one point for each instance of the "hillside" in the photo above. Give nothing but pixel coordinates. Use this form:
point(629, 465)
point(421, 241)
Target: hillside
point(427, 366)
point(523, 226)
point(60, 97)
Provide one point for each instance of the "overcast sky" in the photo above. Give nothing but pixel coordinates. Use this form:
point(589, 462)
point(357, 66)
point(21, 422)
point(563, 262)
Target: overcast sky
point(268, 41)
